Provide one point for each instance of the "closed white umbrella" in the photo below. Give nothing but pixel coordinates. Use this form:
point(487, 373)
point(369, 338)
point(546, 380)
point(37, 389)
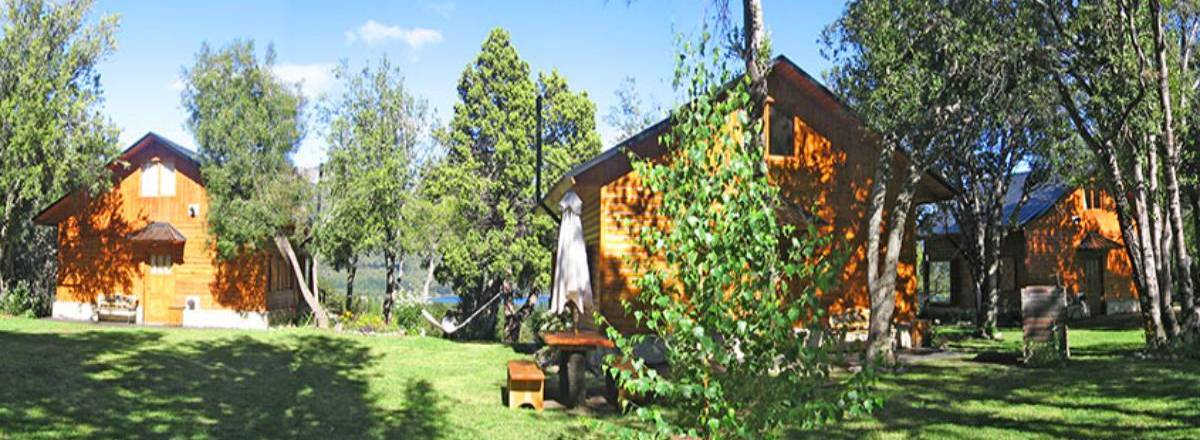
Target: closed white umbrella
point(572, 283)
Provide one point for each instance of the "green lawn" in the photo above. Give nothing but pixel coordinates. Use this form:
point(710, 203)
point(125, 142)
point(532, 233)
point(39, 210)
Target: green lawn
point(65, 380)
point(62, 380)
point(1103, 392)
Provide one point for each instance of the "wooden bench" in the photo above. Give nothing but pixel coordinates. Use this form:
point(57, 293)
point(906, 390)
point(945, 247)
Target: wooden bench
point(119, 306)
point(526, 384)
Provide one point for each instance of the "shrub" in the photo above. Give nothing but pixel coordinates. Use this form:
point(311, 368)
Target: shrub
point(22, 299)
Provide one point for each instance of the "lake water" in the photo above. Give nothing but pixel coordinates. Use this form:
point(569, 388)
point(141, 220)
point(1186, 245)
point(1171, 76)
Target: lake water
point(543, 300)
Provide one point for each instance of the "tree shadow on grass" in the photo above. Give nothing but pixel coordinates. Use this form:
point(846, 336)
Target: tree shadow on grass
point(134, 385)
point(1090, 398)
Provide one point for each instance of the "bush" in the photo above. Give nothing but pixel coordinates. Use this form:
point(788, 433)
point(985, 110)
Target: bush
point(367, 316)
point(21, 299)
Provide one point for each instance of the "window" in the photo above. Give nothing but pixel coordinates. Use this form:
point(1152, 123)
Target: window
point(158, 178)
point(279, 274)
point(938, 283)
point(1092, 199)
point(160, 264)
point(783, 135)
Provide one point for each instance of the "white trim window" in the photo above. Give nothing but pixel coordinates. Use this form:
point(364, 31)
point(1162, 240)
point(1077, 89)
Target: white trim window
point(158, 178)
point(160, 264)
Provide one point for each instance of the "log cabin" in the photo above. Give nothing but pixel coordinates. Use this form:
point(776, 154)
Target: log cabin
point(818, 153)
point(143, 244)
point(1064, 235)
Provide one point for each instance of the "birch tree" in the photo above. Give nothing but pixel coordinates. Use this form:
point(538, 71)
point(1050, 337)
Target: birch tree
point(1112, 69)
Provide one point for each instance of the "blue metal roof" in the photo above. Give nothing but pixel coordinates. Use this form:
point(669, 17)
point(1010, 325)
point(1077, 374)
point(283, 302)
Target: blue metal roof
point(1040, 201)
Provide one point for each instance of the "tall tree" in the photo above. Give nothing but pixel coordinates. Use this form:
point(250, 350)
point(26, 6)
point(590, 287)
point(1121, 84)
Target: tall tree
point(490, 169)
point(1008, 120)
point(1109, 63)
point(49, 108)
point(247, 123)
point(885, 71)
point(375, 129)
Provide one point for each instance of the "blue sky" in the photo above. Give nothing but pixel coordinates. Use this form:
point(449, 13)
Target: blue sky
point(594, 43)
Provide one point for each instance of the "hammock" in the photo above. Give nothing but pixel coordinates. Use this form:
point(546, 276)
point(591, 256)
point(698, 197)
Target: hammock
point(448, 325)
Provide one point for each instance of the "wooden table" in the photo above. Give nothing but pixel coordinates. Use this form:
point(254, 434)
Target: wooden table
point(573, 348)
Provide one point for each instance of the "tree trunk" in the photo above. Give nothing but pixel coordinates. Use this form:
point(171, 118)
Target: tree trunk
point(514, 316)
point(1174, 208)
point(389, 299)
point(351, 272)
point(285, 248)
point(430, 268)
point(991, 281)
point(1155, 335)
point(755, 53)
point(1159, 238)
point(5, 228)
point(883, 289)
point(484, 325)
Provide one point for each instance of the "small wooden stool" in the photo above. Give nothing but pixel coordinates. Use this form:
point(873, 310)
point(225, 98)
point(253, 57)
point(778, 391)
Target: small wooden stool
point(526, 384)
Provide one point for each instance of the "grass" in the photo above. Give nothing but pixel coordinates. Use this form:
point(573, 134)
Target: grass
point(1102, 392)
point(66, 380)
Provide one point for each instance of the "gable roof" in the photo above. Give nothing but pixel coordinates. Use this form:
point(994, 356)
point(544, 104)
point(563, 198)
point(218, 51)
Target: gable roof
point(1041, 200)
point(614, 162)
point(148, 139)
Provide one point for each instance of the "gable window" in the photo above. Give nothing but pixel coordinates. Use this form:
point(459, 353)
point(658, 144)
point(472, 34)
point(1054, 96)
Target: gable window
point(158, 178)
point(783, 134)
point(1092, 199)
point(160, 264)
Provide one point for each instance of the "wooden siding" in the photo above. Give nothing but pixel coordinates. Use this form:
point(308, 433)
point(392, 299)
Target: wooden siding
point(1052, 241)
point(95, 256)
point(830, 169)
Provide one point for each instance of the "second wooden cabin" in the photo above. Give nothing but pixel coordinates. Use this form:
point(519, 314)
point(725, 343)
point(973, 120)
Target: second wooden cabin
point(819, 154)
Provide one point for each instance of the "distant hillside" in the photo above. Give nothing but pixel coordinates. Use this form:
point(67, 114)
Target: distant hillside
point(371, 278)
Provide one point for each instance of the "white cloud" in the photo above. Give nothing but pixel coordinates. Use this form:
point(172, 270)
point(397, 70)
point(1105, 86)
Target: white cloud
point(176, 85)
point(314, 79)
point(374, 32)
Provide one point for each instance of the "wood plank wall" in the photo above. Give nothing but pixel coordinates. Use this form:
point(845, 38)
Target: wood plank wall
point(96, 257)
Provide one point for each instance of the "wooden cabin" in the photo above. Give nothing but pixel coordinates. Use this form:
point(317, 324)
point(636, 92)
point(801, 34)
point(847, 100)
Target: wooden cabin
point(1064, 235)
point(819, 154)
point(143, 245)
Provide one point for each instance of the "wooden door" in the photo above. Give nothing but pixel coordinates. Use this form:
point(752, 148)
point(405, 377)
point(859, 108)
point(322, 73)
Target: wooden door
point(159, 301)
point(1093, 281)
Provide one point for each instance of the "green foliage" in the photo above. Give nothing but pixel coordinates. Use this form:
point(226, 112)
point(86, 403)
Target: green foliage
point(375, 129)
point(367, 317)
point(489, 169)
point(247, 123)
point(53, 136)
point(735, 291)
point(26, 300)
